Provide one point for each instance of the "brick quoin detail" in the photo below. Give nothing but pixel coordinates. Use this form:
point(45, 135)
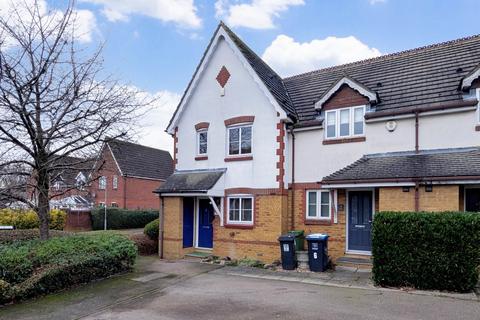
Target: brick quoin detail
point(281, 155)
point(241, 119)
point(345, 97)
point(175, 148)
point(202, 125)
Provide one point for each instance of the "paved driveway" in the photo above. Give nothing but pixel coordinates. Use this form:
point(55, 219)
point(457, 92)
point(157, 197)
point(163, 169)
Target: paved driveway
point(186, 290)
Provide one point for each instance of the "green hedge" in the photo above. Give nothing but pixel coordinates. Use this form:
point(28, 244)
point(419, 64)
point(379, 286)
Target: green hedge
point(426, 250)
point(31, 268)
point(122, 218)
point(152, 229)
point(9, 236)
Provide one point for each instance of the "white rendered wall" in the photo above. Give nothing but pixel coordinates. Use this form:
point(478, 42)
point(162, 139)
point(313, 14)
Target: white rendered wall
point(313, 160)
point(243, 97)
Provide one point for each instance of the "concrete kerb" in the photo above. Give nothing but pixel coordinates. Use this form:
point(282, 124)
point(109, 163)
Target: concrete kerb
point(333, 279)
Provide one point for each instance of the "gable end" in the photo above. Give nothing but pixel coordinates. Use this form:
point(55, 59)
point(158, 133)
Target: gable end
point(345, 97)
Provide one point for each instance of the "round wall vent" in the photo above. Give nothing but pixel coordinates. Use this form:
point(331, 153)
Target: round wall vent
point(391, 125)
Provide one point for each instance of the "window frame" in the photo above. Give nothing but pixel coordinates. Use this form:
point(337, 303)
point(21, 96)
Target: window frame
point(199, 131)
point(351, 123)
point(239, 126)
point(477, 93)
point(115, 182)
point(102, 178)
point(318, 205)
point(114, 205)
point(240, 222)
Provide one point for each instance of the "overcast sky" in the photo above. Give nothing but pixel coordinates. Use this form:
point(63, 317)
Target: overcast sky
point(155, 45)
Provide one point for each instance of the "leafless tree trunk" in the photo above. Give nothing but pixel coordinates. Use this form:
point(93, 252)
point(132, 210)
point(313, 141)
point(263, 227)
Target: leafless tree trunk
point(54, 103)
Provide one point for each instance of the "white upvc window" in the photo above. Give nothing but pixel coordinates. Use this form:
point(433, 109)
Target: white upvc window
point(102, 183)
point(202, 142)
point(478, 108)
point(240, 140)
point(345, 122)
point(240, 210)
point(318, 205)
point(115, 182)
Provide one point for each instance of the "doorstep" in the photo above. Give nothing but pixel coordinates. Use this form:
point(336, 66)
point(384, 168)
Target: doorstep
point(359, 279)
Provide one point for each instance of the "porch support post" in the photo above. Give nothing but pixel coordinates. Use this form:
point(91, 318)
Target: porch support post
point(217, 211)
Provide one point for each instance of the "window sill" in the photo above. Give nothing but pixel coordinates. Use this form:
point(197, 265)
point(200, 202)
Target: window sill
point(344, 140)
point(239, 158)
point(239, 226)
point(477, 128)
point(199, 158)
point(322, 222)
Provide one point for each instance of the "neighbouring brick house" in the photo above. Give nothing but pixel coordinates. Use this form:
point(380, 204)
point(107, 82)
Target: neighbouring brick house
point(128, 173)
point(257, 155)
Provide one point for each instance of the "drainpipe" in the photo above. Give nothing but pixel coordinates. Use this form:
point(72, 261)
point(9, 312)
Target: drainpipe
point(417, 149)
point(292, 204)
point(417, 196)
point(416, 133)
point(160, 227)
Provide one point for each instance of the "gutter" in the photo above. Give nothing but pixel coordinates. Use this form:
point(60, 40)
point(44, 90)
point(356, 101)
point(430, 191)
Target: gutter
point(400, 180)
point(421, 109)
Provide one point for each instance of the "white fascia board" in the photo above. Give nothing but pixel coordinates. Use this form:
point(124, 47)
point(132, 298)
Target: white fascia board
point(367, 185)
point(372, 97)
point(221, 33)
point(423, 114)
point(467, 81)
point(114, 159)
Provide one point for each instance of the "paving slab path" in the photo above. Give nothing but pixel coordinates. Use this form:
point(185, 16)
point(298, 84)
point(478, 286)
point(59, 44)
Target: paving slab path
point(190, 290)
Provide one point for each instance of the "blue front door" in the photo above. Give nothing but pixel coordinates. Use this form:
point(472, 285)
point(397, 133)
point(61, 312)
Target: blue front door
point(360, 220)
point(205, 227)
point(188, 210)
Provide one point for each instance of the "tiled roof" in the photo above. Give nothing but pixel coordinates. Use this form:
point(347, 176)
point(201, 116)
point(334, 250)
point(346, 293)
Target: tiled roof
point(191, 181)
point(417, 77)
point(461, 162)
point(136, 160)
point(269, 77)
point(67, 168)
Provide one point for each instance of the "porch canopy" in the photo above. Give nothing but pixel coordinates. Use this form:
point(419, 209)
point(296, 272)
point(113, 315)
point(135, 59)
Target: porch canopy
point(194, 183)
point(440, 166)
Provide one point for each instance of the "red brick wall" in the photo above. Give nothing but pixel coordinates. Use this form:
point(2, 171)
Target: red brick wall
point(78, 221)
point(345, 97)
point(132, 193)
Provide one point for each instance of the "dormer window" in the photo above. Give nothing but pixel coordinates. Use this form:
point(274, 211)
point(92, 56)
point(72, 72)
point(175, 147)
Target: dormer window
point(345, 122)
point(478, 107)
point(80, 181)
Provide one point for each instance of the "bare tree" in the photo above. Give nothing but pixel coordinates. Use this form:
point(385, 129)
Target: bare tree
point(54, 102)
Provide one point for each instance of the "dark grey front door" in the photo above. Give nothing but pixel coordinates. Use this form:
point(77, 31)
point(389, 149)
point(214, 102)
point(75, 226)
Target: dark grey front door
point(472, 200)
point(360, 220)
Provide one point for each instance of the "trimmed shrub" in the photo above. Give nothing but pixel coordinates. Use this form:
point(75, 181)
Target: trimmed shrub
point(28, 219)
point(9, 236)
point(122, 218)
point(145, 245)
point(152, 229)
point(32, 268)
point(426, 250)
